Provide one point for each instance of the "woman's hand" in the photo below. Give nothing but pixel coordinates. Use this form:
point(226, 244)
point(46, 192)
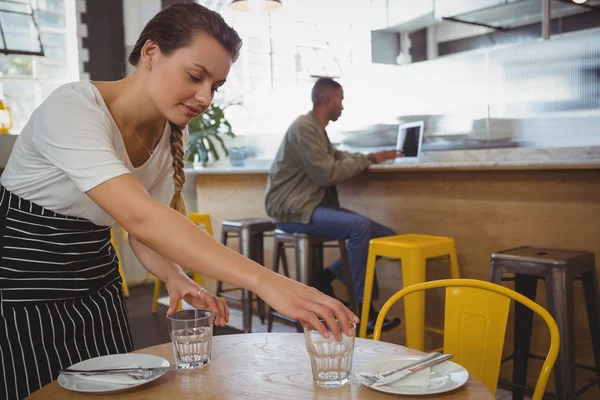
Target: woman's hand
point(180, 286)
point(305, 304)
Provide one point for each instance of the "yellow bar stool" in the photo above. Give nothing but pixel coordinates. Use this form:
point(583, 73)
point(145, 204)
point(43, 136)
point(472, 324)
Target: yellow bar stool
point(203, 221)
point(114, 243)
point(413, 250)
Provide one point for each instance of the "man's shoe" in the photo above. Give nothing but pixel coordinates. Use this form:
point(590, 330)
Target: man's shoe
point(388, 324)
point(324, 287)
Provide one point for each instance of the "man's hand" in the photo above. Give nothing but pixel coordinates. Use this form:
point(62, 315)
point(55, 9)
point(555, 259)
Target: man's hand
point(385, 155)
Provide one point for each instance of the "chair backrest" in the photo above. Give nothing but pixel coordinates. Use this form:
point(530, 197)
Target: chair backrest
point(475, 326)
point(202, 220)
point(114, 233)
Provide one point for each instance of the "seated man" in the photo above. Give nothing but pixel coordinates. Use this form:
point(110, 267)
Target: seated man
point(301, 196)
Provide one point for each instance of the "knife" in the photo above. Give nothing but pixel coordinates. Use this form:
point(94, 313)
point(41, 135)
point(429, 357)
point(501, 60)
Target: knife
point(407, 371)
point(115, 370)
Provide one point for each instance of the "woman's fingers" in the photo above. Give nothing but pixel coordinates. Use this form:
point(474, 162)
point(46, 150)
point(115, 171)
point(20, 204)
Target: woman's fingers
point(325, 308)
point(339, 312)
point(312, 320)
point(197, 297)
point(326, 314)
point(174, 299)
point(308, 305)
point(343, 315)
point(222, 305)
point(216, 305)
point(212, 304)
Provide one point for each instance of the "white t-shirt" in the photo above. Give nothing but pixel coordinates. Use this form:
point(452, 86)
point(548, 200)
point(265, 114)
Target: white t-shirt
point(72, 144)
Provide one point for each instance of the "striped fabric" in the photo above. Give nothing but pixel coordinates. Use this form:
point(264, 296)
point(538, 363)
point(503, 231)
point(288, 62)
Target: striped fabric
point(61, 299)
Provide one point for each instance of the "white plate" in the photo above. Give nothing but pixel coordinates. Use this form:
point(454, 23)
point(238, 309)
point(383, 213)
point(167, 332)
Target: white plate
point(445, 377)
point(80, 384)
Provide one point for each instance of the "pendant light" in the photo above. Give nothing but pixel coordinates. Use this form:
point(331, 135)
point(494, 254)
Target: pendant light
point(257, 6)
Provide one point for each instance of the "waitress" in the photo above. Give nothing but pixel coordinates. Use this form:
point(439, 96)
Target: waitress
point(98, 152)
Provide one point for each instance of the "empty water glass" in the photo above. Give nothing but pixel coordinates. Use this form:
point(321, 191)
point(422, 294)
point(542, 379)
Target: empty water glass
point(331, 360)
point(191, 334)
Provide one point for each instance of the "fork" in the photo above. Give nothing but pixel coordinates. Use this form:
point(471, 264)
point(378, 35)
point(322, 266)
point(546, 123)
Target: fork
point(137, 376)
point(135, 373)
point(116, 370)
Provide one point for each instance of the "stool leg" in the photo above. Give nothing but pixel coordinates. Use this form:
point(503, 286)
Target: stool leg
point(527, 286)
point(304, 259)
point(495, 273)
point(246, 250)
point(275, 268)
point(413, 271)
point(284, 262)
point(259, 257)
point(559, 289)
point(224, 242)
point(454, 269)
point(590, 289)
point(348, 273)
point(261, 310)
point(247, 310)
point(369, 277)
point(317, 260)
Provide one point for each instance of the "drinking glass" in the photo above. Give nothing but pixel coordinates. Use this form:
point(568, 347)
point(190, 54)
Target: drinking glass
point(331, 360)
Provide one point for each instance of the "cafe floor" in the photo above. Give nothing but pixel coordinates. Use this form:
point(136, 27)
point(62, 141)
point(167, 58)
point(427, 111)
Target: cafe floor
point(149, 330)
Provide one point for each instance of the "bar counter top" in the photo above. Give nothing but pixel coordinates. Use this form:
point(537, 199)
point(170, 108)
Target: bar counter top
point(476, 160)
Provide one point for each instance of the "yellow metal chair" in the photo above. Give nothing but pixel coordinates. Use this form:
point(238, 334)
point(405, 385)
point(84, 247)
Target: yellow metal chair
point(475, 325)
point(114, 243)
point(413, 250)
point(203, 221)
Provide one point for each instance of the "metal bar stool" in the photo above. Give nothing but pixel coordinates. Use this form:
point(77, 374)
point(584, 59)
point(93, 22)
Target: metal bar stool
point(251, 233)
point(309, 258)
point(559, 269)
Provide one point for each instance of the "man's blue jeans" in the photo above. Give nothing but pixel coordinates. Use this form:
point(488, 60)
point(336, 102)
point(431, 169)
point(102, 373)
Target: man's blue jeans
point(357, 230)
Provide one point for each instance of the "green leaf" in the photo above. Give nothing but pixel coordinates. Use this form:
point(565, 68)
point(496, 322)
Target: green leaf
point(223, 146)
point(203, 129)
point(202, 152)
point(212, 148)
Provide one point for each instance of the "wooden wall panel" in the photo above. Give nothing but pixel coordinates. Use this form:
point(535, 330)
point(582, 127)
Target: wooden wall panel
point(485, 211)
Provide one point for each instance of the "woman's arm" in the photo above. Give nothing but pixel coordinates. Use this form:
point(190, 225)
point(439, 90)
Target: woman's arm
point(176, 238)
point(179, 285)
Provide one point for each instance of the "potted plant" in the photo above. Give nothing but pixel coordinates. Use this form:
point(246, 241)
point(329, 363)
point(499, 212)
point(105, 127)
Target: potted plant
point(206, 130)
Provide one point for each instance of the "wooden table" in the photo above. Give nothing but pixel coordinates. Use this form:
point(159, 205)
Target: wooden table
point(261, 366)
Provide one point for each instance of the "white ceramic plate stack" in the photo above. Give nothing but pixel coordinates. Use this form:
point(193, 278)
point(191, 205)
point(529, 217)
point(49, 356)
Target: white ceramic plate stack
point(110, 383)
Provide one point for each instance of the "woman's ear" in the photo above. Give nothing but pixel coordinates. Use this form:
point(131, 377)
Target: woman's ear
point(149, 54)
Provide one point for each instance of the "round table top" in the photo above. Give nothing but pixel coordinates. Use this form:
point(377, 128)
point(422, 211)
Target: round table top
point(261, 366)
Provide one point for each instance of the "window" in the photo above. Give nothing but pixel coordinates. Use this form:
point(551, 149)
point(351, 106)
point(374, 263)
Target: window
point(28, 80)
point(291, 45)
point(284, 51)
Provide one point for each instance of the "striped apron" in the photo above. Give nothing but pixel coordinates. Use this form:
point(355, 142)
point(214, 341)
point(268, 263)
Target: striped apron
point(61, 299)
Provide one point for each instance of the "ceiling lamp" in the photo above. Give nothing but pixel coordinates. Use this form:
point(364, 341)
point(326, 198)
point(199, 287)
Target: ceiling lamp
point(256, 6)
point(579, 1)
